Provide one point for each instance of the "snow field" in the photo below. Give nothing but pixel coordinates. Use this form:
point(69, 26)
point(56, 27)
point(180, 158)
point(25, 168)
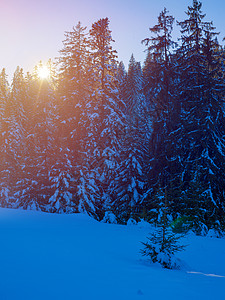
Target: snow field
point(49, 256)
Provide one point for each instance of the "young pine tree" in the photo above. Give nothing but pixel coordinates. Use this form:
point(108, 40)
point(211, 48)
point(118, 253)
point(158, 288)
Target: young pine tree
point(162, 244)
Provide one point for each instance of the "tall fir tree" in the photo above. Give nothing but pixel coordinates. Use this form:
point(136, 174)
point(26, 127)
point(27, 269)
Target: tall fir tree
point(5, 167)
point(130, 182)
point(15, 132)
point(74, 92)
point(103, 143)
point(158, 73)
point(201, 93)
point(26, 189)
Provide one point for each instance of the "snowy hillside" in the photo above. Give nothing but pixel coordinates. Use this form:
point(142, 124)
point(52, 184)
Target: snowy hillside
point(49, 256)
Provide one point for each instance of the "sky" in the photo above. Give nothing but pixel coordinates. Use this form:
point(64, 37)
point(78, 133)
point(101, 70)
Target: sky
point(31, 31)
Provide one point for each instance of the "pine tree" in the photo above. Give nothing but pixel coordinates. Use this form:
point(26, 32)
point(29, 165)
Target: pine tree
point(201, 89)
point(73, 63)
point(15, 133)
point(159, 76)
point(62, 200)
point(130, 182)
point(5, 167)
point(75, 86)
point(25, 189)
point(162, 244)
point(106, 121)
point(35, 133)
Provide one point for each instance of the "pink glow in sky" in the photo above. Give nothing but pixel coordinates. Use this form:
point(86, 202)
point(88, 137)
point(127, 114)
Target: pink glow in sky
point(31, 30)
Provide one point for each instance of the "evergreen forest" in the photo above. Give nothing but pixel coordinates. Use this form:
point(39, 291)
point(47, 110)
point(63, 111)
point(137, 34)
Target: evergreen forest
point(116, 143)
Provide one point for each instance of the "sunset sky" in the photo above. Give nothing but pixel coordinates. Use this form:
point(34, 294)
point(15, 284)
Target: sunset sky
point(31, 31)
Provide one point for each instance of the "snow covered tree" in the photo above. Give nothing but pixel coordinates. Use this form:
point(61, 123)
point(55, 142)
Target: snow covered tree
point(26, 186)
point(4, 167)
point(163, 243)
point(162, 246)
point(104, 61)
point(73, 106)
point(73, 64)
point(130, 182)
point(62, 200)
point(74, 86)
point(106, 121)
point(158, 74)
point(201, 93)
point(26, 134)
point(121, 79)
point(45, 134)
point(15, 134)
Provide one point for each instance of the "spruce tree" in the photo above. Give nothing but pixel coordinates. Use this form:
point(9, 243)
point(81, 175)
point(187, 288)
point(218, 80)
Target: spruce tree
point(74, 95)
point(201, 87)
point(158, 73)
point(130, 182)
point(15, 132)
point(26, 189)
point(106, 121)
point(5, 167)
point(163, 243)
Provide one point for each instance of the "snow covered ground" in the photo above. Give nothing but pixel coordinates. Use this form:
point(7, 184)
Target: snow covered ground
point(49, 256)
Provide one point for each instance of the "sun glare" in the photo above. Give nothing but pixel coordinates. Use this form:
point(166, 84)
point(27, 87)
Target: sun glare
point(43, 72)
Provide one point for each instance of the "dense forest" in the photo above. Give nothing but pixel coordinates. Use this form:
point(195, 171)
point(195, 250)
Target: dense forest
point(119, 144)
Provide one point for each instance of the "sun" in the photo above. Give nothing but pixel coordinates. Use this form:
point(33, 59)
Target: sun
point(43, 72)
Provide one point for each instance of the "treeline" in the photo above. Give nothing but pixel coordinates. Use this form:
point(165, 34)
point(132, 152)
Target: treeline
point(120, 144)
